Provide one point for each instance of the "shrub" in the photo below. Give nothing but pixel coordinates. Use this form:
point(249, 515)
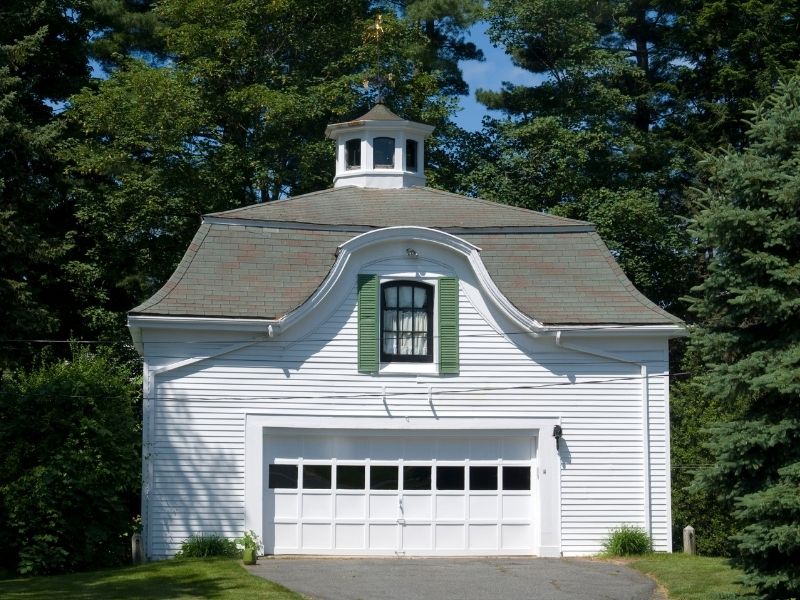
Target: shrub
point(70, 469)
point(204, 546)
point(627, 541)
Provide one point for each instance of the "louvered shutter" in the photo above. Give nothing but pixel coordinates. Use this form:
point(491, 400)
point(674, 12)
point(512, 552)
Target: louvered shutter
point(448, 325)
point(368, 323)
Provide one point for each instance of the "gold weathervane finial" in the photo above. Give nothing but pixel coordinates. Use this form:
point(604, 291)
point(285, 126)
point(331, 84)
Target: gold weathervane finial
point(375, 33)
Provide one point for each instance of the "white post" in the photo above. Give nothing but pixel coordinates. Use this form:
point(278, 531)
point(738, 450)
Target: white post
point(689, 540)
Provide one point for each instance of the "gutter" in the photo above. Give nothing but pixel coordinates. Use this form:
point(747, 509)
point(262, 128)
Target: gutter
point(645, 417)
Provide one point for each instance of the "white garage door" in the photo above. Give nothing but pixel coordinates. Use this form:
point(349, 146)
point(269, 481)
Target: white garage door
point(400, 494)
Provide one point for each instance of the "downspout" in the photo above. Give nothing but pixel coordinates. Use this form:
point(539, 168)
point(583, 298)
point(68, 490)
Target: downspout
point(645, 416)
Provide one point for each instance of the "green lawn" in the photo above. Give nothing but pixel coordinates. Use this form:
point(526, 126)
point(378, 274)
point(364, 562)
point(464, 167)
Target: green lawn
point(687, 577)
point(185, 579)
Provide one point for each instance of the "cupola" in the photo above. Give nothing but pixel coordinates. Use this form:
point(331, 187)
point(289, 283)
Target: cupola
point(379, 150)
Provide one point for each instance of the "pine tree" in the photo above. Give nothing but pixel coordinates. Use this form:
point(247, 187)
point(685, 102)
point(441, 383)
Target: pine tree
point(749, 306)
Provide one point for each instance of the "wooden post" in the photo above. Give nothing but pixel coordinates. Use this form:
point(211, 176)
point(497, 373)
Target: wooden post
point(689, 540)
point(137, 554)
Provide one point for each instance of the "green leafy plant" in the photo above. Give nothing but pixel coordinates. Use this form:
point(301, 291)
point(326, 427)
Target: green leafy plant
point(628, 541)
point(204, 546)
point(249, 540)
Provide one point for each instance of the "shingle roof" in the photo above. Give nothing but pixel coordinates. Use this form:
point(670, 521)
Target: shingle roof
point(420, 206)
point(261, 262)
point(379, 112)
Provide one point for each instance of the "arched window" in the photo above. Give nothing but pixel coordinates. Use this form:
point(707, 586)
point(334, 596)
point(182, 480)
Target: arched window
point(352, 151)
point(411, 155)
point(383, 153)
point(406, 321)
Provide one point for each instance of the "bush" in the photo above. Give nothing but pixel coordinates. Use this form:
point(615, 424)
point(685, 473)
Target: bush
point(627, 541)
point(205, 546)
point(70, 469)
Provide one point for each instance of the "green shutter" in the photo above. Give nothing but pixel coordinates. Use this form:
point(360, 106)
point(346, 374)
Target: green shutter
point(448, 325)
point(368, 323)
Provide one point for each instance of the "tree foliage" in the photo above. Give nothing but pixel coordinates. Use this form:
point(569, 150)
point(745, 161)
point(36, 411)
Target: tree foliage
point(234, 114)
point(626, 94)
point(70, 468)
point(749, 306)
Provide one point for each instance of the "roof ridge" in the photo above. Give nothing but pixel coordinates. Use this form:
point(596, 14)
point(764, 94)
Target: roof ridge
point(503, 204)
point(270, 202)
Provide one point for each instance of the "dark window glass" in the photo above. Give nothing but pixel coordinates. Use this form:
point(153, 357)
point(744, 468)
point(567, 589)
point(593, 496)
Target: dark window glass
point(350, 477)
point(282, 476)
point(383, 478)
point(407, 321)
point(416, 478)
point(352, 150)
point(516, 478)
point(483, 478)
point(411, 155)
point(317, 477)
point(449, 478)
point(383, 152)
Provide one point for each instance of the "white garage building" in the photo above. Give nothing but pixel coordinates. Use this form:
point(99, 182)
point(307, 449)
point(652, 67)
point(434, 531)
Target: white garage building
point(383, 368)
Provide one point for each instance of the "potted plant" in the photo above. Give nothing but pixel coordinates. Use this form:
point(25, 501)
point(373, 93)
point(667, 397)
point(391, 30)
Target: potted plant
point(250, 545)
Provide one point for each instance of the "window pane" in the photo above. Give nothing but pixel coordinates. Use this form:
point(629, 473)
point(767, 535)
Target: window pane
point(449, 478)
point(317, 477)
point(411, 155)
point(416, 478)
point(420, 296)
point(389, 343)
point(406, 344)
point(420, 321)
point(483, 478)
point(350, 477)
point(420, 343)
point(406, 320)
point(353, 153)
point(383, 478)
point(516, 478)
point(390, 297)
point(383, 152)
point(390, 320)
point(406, 293)
point(282, 477)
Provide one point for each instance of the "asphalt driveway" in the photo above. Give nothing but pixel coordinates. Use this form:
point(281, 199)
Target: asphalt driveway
point(461, 578)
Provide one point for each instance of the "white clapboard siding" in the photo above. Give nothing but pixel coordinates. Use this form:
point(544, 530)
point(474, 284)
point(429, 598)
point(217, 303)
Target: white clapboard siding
point(195, 422)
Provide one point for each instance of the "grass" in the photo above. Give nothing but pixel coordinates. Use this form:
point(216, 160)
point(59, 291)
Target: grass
point(687, 577)
point(212, 578)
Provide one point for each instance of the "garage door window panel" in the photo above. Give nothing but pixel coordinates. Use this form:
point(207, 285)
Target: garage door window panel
point(450, 478)
point(384, 477)
point(517, 478)
point(350, 477)
point(483, 478)
point(317, 477)
point(283, 477)
point(417, 478)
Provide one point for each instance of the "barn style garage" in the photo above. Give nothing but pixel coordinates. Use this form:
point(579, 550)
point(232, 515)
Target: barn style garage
point(382, 368)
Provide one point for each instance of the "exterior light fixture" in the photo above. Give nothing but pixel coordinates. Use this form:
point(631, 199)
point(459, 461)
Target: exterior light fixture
point(411, 253)
point(557, 432)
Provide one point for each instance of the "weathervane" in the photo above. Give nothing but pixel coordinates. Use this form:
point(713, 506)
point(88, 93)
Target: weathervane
point(375, 33)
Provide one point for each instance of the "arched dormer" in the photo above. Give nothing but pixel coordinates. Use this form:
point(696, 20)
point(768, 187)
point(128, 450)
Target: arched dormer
point(379, 150)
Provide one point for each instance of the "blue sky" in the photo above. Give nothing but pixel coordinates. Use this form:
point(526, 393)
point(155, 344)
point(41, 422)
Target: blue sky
point(487, 75)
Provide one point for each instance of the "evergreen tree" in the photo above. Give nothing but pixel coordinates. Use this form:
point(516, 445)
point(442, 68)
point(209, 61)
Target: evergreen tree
point(234, 114)
point(749, 306)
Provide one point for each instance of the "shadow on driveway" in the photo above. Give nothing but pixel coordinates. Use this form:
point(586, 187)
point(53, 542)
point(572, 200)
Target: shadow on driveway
point(462, 578)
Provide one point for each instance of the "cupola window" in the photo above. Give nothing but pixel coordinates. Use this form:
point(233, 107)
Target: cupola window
point(411, 155)
point(353, 153)
point(383, 152)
